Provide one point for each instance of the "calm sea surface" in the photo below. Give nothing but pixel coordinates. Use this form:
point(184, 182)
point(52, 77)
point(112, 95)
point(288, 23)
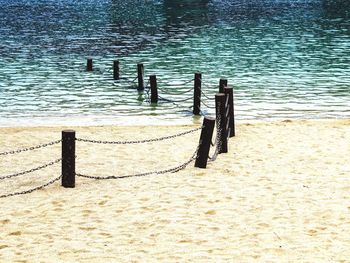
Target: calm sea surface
point(284, 58)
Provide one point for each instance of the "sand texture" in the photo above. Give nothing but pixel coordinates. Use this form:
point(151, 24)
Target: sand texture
point(281, 194)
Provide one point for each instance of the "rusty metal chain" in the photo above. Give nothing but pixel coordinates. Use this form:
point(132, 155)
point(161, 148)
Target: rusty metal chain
point(31, 170)
point(140, 141)
point(33, 189)
point(30, 148)
point(169, 170)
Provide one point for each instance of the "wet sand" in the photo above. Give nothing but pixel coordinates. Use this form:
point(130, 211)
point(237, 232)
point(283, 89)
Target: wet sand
point(281, 194)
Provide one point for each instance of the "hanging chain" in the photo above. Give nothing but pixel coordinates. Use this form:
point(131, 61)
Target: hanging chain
point(204, 84)
point(170, 170)
point(215, 155)
point(139, 141)
point(30, 148)
point(33, 189)
point(31, 170)
point(175, 101)
point(175, 93)
point(205, 104)
point(206, 96)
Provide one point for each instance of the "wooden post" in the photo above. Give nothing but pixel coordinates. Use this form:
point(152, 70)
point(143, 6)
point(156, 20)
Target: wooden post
point(222, 85)
point(221, 122)
point(154, 91)
point(68, 158)
point(116, 70)
point(197, 93)
point(230, 112)
point(89, 64)
point(140, 77)
point(204, 142)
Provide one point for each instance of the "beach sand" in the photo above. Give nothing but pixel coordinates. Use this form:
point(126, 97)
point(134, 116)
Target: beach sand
point(281, 194)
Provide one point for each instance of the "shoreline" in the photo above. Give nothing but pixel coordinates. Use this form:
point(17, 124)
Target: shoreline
point(163, 123)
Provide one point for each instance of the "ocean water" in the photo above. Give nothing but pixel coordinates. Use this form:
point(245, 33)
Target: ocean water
point(284, 58)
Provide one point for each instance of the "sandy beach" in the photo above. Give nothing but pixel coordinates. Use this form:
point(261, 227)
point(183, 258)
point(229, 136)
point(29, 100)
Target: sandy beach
point(281, 194)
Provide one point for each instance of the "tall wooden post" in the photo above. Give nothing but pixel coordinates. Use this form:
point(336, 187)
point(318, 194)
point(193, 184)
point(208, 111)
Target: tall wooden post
point(68, 158)
point(89, 64)
point(140, 77)
point(222, 85)
point(116, 70)
point(197, 93)
point(230, 111)
point(204, 142)
point(154, 91)
point(221, 122)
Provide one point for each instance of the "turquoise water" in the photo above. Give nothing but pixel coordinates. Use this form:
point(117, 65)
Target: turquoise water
point(285, 59)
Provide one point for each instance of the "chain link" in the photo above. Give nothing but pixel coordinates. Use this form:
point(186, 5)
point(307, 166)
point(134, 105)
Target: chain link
point(174, 101)
point(175, 93)
point(206, 85)
point(33, 189)
point(170, 170)
point(215, 155)
point(206, 96)
point(205, 104)
point(31, 170)
point(140, 141)
point(30, 148)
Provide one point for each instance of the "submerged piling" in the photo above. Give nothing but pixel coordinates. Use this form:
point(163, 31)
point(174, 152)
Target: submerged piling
point(197, 93)
point(140, 77)
point(116, 70)
point(89, 64)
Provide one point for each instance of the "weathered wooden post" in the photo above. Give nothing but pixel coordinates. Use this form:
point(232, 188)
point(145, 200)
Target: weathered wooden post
point(116, 70)
point(89, 64)
point(221, 122)
point(222, 85)
point(197, 93)
point(68, 158)
point(230, 114)
point(154, 91)
point(204, 142)
point(140, 77)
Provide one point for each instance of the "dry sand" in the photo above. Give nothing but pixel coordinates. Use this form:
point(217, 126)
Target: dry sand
point(281, 194)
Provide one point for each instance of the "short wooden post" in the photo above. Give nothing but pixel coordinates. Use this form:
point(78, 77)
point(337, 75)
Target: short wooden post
point(68, 158)
point(116, 70)
point(154, 91)
point(140, 77)
point(89, 64)
point(197, 93)
point(222, 85)
point(204, 142)
point(221, 122)
point(230, 115)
